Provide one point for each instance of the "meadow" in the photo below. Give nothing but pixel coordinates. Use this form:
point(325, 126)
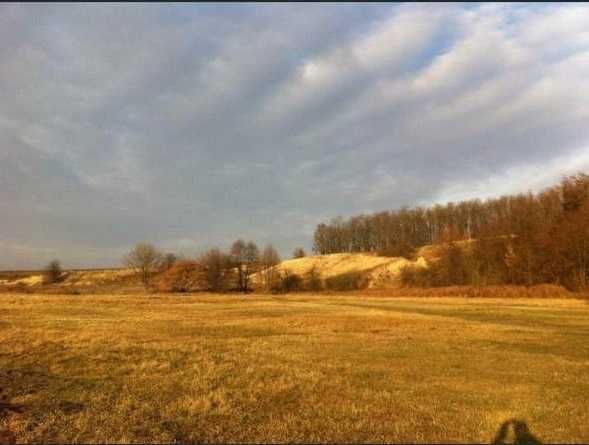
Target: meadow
point(293, 368)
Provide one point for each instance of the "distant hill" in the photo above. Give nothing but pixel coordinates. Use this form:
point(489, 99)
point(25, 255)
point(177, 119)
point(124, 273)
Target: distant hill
point(379, 271)
point(85, 277)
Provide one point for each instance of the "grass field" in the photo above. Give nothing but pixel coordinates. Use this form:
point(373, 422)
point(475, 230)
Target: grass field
point(300, 368)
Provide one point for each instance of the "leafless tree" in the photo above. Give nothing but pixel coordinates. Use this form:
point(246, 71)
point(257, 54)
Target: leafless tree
point(299, 252)
point(522, 239)
point(52, 272)
point(237, 253)
point(268, 261)
point(168, 261)
point(252, 259)
point(218, 267)
point(245, 257)
point(145, 260)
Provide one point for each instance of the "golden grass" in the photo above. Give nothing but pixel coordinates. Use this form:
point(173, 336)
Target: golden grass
point(297, 368)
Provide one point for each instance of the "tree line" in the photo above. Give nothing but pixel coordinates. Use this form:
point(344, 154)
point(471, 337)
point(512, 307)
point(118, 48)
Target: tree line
point(527, 239)
point(213, 270)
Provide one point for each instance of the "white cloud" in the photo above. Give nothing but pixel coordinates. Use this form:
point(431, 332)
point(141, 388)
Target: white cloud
point(179, 123)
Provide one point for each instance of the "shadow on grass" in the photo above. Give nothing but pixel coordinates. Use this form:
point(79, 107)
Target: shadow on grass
point(515, 431)
point(24, 381)
point(7, 436)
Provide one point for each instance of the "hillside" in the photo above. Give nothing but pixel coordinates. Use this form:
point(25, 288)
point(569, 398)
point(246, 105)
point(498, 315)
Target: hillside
point(379, 271)
point(376, 271)
point(71, 278)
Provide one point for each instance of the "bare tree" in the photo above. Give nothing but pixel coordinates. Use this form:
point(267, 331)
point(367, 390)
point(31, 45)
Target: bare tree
point(52, 272)
point(168, 261)
point(299, 252)
point(218, 267)
point(522, 239)
point(252, 259)
point(238, 259)
point(245, 257)
point(268, 261)
point(145, 260)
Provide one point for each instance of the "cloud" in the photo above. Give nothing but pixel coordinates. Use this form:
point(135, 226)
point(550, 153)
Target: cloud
point(192, 125)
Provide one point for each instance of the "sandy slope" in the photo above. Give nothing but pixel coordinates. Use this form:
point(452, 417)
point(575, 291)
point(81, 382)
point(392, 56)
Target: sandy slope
point(27, 281)
point(380, 271)
point(76, 278)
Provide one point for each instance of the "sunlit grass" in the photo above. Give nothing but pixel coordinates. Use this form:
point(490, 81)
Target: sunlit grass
point(300, 368)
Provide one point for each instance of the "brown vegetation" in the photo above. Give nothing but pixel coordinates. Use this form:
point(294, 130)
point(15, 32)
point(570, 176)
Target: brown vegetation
point(268, 262)
point(145, 260)
point(52, 273)
point(521, 240)
point(299, 252)
point(538, 291)
point(525, 239)
point(219, 270)
point(183, 276)
point(245, 257)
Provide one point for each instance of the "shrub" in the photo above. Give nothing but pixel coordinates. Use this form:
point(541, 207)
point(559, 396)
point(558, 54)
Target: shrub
point(404, 250)
point(452, 267)
point(299, 252)
point(268, 261)
point(218, 270)
point(346, 281)
point(183, 276)
point(412, 276)
point(313, 280)
point(168, 261)
point(287, 282)
point(52, 273)
point(490, 291)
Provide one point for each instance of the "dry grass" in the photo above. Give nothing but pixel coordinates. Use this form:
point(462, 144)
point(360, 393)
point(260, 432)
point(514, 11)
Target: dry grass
point(97, 277)
point(550, 291)
point(298, 368)
point(74, 282)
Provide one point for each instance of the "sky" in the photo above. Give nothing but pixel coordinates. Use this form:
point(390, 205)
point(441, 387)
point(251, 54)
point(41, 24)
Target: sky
point(192, 125)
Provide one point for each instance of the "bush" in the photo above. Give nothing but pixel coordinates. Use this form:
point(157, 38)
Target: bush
point(404, 250)
point(346, 281)
point(218, 270)
point(491, 291)
point(52, 273)
point(313, 280)
point(452, 267)
point(183, 276)
point(299, 252)
point(412, 276)
point(287, 282)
